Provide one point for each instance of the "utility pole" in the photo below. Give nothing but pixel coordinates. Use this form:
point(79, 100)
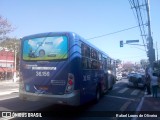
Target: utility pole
point(157, 51)
point(151, 50)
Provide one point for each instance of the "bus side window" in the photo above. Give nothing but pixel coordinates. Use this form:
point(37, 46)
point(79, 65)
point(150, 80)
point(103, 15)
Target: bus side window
point(100, 61)
point(89, 63)
point(85, 50)
point(82, 49)
point(109, 63)
point(94, 54)
point(88, 52)
point(104, 64)
point(99, 56)
point(95, 64)
point(86, 63)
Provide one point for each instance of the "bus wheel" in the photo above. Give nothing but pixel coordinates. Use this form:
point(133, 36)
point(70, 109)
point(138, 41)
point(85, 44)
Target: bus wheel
point(111, 88)
point(98, 94)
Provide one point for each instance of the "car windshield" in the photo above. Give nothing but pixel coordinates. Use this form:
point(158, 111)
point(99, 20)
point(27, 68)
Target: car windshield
point(45, 48)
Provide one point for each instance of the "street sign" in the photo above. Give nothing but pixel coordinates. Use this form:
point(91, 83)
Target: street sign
point(131, 41)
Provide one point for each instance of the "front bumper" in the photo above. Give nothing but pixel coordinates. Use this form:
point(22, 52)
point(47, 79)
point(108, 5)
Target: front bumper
point(132, 84)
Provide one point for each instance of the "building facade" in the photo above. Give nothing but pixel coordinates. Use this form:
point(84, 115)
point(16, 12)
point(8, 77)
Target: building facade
point(7, 64)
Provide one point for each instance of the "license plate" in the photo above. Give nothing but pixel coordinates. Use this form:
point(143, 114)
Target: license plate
point(43, 88)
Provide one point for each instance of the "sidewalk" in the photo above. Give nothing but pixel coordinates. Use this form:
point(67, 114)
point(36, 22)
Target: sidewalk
point(8, 87)
point(149, 107)
point(150, 103)
point(8, 82)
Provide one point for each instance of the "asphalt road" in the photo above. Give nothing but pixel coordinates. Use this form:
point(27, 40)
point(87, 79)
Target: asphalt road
point(117, 101)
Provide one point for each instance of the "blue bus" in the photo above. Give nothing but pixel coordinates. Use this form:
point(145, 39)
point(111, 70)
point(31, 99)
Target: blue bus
point(63, 68)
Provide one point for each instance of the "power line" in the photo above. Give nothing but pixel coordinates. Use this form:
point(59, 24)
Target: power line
point(139, 18)
point(138, 14)
point(113, 32)
point(144, 33)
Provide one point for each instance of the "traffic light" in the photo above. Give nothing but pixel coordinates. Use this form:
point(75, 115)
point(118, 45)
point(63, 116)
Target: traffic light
point(121, 43)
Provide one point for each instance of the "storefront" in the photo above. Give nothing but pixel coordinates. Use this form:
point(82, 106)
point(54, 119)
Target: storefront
point(7, 63)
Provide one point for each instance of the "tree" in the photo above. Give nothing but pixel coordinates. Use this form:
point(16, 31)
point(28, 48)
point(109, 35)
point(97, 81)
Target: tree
point(11, 43)
point(5, 28)
point(144, 63)
point(118, 62)
point(128, 66)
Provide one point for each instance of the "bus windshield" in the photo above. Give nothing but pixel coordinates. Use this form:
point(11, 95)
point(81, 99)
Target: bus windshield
point(45, 48)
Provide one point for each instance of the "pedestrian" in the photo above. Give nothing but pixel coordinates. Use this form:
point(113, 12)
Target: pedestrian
point(154, 84)
point(147, 81)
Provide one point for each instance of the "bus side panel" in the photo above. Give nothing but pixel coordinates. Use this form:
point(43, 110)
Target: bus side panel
point(92, 79)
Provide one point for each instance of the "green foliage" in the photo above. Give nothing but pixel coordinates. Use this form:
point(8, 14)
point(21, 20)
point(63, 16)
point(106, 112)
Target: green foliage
point(11, 44)
point(5, 28)
point(144, 63)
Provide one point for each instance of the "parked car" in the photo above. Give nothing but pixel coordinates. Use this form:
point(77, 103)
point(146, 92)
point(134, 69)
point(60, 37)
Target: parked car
point(119, 76)
point(136, 79)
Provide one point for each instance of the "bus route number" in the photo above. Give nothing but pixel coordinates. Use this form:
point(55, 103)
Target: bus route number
point(42, 73)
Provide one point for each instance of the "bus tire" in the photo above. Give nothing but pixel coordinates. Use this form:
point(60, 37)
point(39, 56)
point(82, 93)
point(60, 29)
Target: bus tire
point(111, 88)
point(98, 94)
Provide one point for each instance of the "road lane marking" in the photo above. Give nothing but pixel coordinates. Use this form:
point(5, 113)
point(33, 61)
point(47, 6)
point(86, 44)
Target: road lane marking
point(135, 92)
point(9, 97)
point(125, 105)
point(120, 97)
point(9, 92)
point(139, 108)
point(5, 109)
point(123, 90)
point(116, 88)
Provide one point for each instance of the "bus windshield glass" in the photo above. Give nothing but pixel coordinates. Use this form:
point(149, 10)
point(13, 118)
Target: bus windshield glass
point(45, 48)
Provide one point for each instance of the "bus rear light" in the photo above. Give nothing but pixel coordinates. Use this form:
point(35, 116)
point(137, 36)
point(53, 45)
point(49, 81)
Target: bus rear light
point(70, 83)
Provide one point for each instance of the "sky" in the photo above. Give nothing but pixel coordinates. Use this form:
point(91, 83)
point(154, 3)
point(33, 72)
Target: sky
point(88, 18)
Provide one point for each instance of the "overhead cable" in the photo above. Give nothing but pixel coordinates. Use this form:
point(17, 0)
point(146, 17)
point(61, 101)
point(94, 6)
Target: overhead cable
point(114, 32)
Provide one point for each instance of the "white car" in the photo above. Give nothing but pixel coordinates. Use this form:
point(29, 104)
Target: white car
point(136, 80)
point(119, 76)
